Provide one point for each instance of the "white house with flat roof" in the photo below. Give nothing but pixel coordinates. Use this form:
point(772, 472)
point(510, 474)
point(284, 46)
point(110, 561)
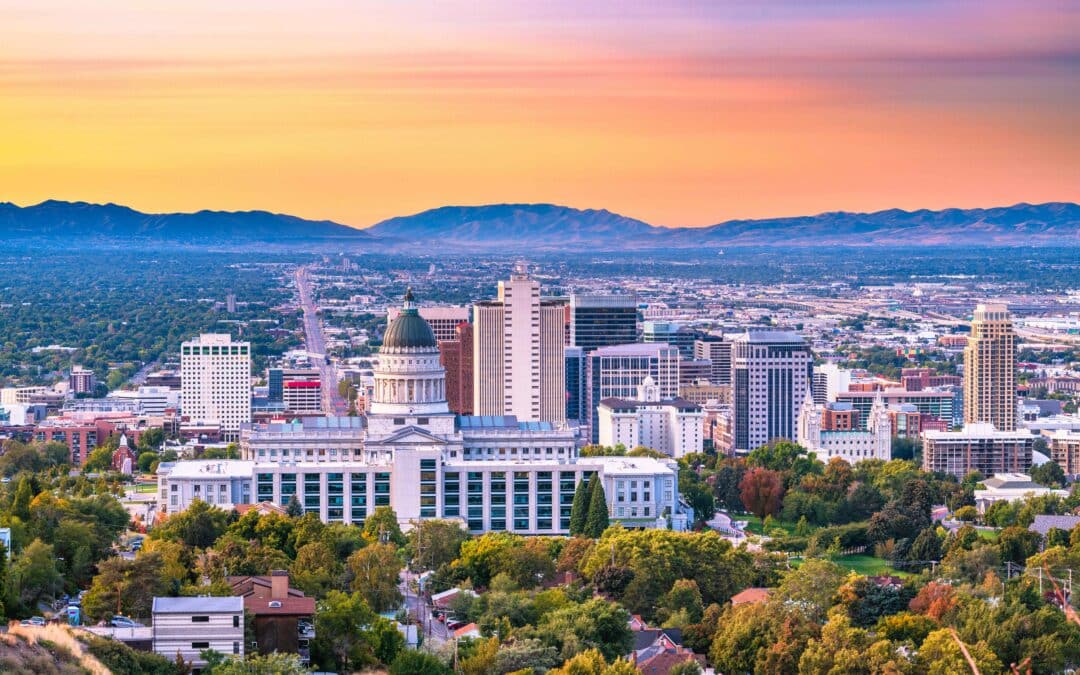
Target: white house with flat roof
point(1011, 487)
point(187, 626)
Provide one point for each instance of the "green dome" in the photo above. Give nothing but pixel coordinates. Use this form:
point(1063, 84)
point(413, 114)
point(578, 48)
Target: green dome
point(409, 330)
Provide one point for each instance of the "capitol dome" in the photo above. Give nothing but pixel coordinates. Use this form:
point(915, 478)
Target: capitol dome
point(409, 330)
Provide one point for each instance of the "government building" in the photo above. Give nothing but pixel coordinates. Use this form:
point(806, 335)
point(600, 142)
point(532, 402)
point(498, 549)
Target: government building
point(494, 473)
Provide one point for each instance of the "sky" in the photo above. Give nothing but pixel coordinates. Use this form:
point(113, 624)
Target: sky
point(680, 112)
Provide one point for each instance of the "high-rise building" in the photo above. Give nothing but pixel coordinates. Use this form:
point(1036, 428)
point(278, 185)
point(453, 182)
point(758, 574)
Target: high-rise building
point(518, 357)
point(978, 447)
point(717, 351)
point(456, 356)
point(771, 376)
point(576, 394)
point(602, 320)
point(230, 303)
point(618, 371)
point(829, 381)
point(284, 386)
point(990, 369)
point(215, 375)
point(443, 320)
point(82, 381)
point(673, 334)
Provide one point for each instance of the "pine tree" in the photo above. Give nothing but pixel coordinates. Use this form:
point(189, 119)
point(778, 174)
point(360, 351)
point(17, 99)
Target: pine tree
point(597, 520)
point(294, 509)
point(580, 508)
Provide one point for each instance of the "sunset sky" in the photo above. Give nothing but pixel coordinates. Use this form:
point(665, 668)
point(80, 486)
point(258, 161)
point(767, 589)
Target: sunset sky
point(681, 113)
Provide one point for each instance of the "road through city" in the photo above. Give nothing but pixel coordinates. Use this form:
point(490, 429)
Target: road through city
point(315, 343)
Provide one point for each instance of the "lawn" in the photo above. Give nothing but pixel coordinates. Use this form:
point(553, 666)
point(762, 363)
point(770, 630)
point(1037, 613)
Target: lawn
point(869, 565)
point(754, 523)
point(146, 487)
point(991, 535)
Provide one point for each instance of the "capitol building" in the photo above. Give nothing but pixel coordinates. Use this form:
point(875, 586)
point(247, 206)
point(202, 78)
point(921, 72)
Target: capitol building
point(493, 473)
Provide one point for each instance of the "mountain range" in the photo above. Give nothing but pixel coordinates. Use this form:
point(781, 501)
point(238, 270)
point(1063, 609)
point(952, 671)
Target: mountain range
point(523, 227)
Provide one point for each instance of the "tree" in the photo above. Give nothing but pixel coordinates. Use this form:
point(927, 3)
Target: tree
point(761, 491)
point(376, 569)
point(1017, 544)
point(100, 459)
point(815, 582)
point(315, 570)
point(151, 440)
point(342, 641)
point(293, 509)
point(940, 654)
point(684, 596)
point(413, 662)
point(434, 543)
point(966, 514)
point(382, 526)
point(259, 664)
point(34, 576)
point(147, 460)
point(579, 510)
point(596, 624)
point(597, 520)
point(198, 526)
point(20, 507)
point(1048, 473)
point(785, 457)
point(126, 587)
point(925, 548)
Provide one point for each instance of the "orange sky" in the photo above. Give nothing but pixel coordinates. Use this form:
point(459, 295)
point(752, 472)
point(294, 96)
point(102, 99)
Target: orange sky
point(689, 113)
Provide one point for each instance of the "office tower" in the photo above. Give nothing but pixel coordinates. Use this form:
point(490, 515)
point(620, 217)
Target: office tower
point(990, 369)
point(694, 371)
point(230, 303)
point(284, 385)
point(618, 371)
point(518, 343)
point(771, 375)
point(456, 356)
point(215, 381)
point(819, 388)
point(602, 320)
point(673, 334)
point(575, 385)
point(443, 320)
point(717, 351)
point(82, 381)
point(829, 381)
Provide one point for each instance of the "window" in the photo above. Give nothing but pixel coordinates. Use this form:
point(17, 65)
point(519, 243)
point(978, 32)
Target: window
point(200, 619)
point(236, 621)
point(235, 647)
point(200, 645)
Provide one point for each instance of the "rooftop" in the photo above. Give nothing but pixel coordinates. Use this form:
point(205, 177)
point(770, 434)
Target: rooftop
point(198, 604)
point(209, 468)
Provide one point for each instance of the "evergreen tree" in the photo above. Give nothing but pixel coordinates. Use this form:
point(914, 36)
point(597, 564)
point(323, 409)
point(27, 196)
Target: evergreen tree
point(23, 495)
point(597, 520)
point(580, 508)
point(294, 510)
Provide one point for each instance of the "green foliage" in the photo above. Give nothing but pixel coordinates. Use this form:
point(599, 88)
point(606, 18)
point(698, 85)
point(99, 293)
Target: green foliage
point(382, 526)
point(119, 658)
point(1048, 473)
point(596, 624)
point(618, 450)
point(597, 519)
point(33, 576)
point(579, 510)
point(125, 587)
point(434, 543)
point(345, 637)
point(412, 662)
point(375, 570)
point(260, 664)
point(198, 526)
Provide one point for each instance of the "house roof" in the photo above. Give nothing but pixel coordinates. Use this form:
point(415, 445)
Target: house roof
point(467, 629)
point(1043, 524)
point(245, 585)
point(290, 606)
point(751, 595)
point(662, 663)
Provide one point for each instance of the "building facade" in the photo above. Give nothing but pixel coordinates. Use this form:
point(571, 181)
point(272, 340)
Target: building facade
point(1065, 450)
point(939, 404)
point(771, 375)
point(990, 369)
point(667, 332)
point(215, 381)
point(618, 371)
point(829, 435)
point(456, 356)
point(518, 346)
point(674, 427)
point(82, 381)
point(188, 626)
point(977, 447)
point(717, 351)
point(602, 320)
point(443, 320)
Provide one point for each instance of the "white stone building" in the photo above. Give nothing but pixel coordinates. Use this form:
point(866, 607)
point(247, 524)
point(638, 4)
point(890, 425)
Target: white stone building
point(851, 446)
point(674, 426)
point(215, 382)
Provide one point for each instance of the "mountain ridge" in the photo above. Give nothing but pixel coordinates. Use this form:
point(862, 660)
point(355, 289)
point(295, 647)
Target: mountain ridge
point(542, 226)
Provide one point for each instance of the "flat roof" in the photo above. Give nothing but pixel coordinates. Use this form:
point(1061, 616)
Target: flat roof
point(212, 468)
point(209, 604)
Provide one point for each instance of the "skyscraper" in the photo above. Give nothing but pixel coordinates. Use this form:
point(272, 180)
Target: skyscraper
point(443, 320)
point(617, 372)
point(518, 343)
point(771, 377)
point(717, 351)
point(602, 320)
point(215, 381)
point(990, 369)
point(673, 334)
point(456, 355)
point(575, 385)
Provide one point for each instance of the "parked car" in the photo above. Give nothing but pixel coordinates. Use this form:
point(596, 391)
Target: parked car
point(455, 624)
point(124, 622)
point(33, 621)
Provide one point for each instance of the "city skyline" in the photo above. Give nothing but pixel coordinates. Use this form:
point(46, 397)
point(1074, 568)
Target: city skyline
point(682, 115)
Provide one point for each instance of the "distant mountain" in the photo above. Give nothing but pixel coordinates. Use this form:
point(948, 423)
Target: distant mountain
point(546, 226)
point(80, 219)
point(521, 228)
point(501, 225)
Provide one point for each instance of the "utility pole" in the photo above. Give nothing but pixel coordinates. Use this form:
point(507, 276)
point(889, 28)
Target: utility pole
point(1040, 582)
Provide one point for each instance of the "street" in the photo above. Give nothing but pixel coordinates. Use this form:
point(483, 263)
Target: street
point(315, 342)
